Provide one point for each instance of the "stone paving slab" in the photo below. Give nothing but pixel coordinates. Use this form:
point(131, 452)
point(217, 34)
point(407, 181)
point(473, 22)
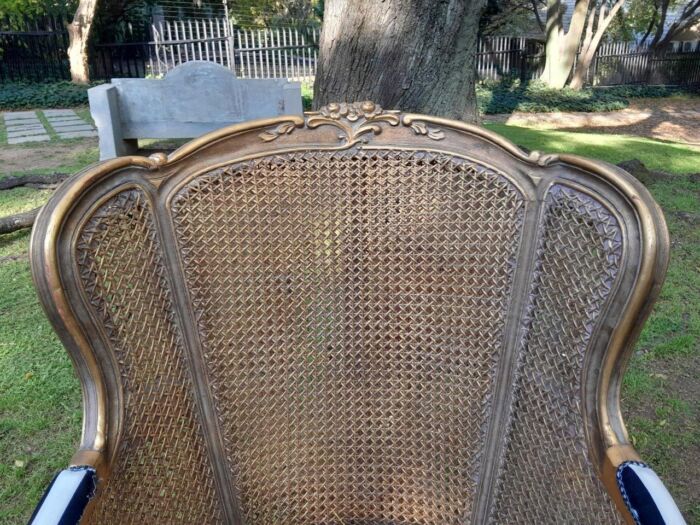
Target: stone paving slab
point(30, 138)
point(38, 125)
point(14, 115)
point(69, 123)
point(26, 132)
point(58, 112)
point(76, 134)
point(55, 121)
point(79, 127)
point(20, 121)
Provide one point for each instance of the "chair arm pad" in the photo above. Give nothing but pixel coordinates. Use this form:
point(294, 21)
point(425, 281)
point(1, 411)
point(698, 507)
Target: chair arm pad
point(645, 495)
point(65, 499)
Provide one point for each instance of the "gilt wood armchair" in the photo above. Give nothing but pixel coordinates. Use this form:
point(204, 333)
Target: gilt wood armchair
point(357, 317)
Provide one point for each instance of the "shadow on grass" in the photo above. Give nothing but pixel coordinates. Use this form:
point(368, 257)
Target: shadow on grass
point(668, 157)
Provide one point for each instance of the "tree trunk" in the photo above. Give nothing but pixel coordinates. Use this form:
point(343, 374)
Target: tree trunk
point(413, 55)
point(592, 41)
point(558, 62)
point(79, 34)
point(561, 47)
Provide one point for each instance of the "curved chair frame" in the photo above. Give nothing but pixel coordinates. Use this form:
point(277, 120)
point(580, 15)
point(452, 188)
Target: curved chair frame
point(337, 127)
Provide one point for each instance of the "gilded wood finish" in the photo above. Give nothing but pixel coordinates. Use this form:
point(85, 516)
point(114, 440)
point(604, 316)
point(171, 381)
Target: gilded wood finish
point(478, 306)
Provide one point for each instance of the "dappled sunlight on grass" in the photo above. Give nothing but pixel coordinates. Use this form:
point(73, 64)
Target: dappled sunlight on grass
point(671, 157)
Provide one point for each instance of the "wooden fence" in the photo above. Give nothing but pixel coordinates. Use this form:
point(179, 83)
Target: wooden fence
point(39, 53)
point(181, 41)
point(276, 53)
point(504, 56)
point(625, 63)
point(251, 53)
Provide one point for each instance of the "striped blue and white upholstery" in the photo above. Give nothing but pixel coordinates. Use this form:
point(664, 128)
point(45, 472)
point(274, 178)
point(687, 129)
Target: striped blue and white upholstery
point(66, 497)
point(645, 495)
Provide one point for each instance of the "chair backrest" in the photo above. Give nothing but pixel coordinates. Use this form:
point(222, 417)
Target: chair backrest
point(356, 317)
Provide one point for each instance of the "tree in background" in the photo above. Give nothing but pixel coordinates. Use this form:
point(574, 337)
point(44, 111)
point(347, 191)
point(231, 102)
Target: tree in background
point(598, 23)
point(593, 17)
point(416, 55)
point(512, 17)
point(271, 13)
point(14, 12)
point(687, 17)
point(79, 37)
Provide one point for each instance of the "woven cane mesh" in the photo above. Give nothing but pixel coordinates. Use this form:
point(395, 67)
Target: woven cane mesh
point(351, 308)
point(162, 473)
point(546, 475)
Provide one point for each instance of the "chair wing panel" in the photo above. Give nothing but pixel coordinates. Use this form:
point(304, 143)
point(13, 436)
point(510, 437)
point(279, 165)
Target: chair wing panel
point(351, 306)
point(546, 474)
point(161, 473)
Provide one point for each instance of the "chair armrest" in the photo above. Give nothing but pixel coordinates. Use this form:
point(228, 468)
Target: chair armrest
point(66, 497)
point(645, 495)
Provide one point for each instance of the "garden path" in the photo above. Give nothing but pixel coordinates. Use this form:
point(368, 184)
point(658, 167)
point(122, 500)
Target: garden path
point(27, 126)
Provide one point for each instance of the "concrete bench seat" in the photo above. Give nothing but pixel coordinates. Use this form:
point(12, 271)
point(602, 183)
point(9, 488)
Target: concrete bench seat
point(191, 100)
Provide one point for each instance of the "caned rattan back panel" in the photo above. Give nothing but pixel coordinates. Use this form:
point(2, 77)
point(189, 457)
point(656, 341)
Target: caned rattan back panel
point(352, 307)
point(362, 317)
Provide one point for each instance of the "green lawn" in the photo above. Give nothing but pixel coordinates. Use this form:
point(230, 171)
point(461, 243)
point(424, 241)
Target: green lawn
point(40, 401)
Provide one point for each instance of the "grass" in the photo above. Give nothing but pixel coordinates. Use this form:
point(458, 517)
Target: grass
point(40, 405)
point(670, 157)
point(49, 129)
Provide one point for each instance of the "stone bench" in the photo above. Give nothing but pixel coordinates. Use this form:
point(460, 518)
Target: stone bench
point(192, 99)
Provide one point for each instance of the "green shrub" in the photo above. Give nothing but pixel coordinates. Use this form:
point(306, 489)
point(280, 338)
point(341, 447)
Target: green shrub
point(531, 97)
point(62, 94)
point(307, 95)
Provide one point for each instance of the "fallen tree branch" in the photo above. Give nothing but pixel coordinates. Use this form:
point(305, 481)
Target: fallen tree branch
point(41, 186)
point(32, 180)
point(18, 221)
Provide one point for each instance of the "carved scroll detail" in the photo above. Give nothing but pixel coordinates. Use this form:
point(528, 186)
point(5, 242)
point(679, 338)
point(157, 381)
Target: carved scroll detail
point(420, 128)
point(283, 129)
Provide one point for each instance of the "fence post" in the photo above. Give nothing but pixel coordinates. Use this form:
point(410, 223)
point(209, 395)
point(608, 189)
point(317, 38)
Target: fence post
point(230, 50)
point(595, 67)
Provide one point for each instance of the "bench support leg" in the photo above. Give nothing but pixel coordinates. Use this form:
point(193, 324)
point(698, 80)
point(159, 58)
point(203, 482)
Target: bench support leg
point(104, 107)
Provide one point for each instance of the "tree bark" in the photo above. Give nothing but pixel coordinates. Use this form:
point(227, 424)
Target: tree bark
point(18, 221)
point(413, 55)
point(561, 47)
point(79, 35)
point(592, 41)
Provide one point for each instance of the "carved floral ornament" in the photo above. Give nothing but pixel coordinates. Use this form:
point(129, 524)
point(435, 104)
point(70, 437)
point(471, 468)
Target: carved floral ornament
point(353, 120)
